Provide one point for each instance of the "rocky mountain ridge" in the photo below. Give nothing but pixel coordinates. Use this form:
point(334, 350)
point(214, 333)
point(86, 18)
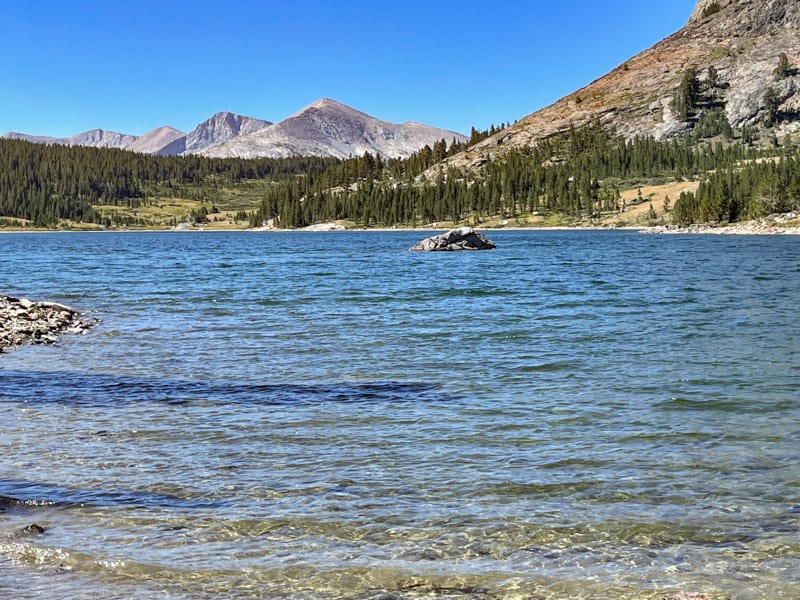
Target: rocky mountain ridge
point(324, 128)
point(742, 41)
point(331, 128)
point(97, 138)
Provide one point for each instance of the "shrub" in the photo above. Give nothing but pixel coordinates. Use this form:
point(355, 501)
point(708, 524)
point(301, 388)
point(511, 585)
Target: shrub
point(711, 9)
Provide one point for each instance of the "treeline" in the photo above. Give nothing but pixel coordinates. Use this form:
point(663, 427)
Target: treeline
point(743, 192)
point(578, 174)
point(48, 183)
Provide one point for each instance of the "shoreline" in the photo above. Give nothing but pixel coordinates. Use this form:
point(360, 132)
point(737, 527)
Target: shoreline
point(781, 224)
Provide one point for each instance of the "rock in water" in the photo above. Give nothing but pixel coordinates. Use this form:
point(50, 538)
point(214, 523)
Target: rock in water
point(29, 531)
point(25, 322)
point(463, 238)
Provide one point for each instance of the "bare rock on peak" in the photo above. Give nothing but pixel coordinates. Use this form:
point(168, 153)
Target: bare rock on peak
point(36, 139)
point(97, 138)
point(100, 138)
point(164, 141)
point(220, 128)
point(330, 128)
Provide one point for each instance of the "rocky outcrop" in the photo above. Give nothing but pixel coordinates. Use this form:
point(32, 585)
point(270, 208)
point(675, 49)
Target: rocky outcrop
point(463, 238)
point(25, 322)
point(778, 224)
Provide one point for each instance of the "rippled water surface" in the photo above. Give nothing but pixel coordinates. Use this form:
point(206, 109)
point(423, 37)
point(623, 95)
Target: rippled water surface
point(574, 415)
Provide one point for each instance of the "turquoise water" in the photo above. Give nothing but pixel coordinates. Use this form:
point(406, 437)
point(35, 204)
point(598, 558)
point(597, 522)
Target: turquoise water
point(290, 415)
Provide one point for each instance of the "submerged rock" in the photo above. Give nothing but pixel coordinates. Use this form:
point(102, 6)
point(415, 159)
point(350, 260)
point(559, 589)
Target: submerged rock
point(31, 530)
point(25, 322)
point(463, 238)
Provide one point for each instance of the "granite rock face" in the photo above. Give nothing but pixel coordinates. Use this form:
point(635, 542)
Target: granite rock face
point(25, 322)
point(464, 238)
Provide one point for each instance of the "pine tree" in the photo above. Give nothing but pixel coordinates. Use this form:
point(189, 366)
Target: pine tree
point(686, 96)
point(771, 105)
point(784, 67)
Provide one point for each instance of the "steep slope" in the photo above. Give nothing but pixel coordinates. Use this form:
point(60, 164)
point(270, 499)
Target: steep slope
point(220, 128)
point(329, 128)
point(742, 39)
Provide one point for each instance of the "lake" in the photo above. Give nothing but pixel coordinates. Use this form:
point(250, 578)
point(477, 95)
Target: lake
point(327, 415)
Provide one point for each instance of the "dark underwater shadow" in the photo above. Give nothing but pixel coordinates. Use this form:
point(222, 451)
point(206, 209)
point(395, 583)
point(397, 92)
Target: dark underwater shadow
point(87, 389)
point(18, 495)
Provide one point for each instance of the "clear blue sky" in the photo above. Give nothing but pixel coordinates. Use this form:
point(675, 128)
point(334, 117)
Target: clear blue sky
point(133, 66)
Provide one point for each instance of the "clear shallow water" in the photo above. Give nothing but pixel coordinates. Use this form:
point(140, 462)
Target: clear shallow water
point(574, 415)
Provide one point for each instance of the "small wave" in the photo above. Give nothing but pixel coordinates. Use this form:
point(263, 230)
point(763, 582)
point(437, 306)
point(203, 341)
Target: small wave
point(723, 405)
point(541, 489)
point(548, 367)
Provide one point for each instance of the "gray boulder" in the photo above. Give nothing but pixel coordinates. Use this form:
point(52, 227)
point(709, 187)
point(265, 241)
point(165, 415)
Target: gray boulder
point(463, 238)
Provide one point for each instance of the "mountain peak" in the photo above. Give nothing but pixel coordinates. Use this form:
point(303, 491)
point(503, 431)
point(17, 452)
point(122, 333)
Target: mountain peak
point(164, 140)
point(326, 103)
point(332, 106)
point(220, 128)
point(100, 138)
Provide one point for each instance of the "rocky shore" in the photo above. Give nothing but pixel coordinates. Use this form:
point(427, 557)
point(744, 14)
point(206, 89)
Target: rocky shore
point(783, 224)
point(23, 322)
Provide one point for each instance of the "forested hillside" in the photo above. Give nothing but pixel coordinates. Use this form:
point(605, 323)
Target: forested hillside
point(46, 184)
point(578, 177)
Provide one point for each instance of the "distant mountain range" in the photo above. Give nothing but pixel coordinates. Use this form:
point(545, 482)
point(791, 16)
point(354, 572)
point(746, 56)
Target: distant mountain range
point(329, 128)
point(324, 128)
